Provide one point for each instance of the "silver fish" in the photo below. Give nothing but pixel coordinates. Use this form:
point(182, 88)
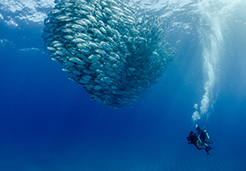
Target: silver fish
point(92, 19)
point(76, 60)
point(82, 23)
point(83, 36)
point(78, 40)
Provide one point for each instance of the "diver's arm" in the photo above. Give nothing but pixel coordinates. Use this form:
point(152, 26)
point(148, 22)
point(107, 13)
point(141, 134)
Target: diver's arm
point(199, 139)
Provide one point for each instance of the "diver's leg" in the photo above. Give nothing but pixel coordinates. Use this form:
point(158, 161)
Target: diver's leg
point(208, 148)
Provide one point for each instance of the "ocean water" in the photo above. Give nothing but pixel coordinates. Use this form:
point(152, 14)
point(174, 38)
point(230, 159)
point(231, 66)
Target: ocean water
point(49, 123)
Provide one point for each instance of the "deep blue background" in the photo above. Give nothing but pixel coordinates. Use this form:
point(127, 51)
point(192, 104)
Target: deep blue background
point(45, 118)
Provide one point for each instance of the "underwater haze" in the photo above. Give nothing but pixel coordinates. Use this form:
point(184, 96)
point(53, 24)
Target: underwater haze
point(48, 122)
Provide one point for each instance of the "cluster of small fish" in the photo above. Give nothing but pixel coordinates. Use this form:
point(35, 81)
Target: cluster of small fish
point(105, 48)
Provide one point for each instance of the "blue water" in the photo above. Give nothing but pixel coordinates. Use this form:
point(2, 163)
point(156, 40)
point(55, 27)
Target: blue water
point(49, 123)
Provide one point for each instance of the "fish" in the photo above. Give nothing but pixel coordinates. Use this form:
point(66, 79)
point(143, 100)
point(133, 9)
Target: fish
point(112, 22)
point(103, 30)
point(109, 29)
point(88, 23)
point(98, 87)
point(132, 69)
point(106, 80)
point(83, 46)
point(115, 55)
point(82, 36)
point(69, 37)
point(51, 48)
point(66, 70)
point(97, 33)
point(82, 23)
point(112, 59)
point(77, 60)
point(108, 47)
point(67, 30)
point(81, 12)
point(58, 44)
point(101, 23)
point(93, 45)
point(105, 45)
point(92, 19)
point(94, 57)
point(101, 52)
point(88, 8)
point(107, 11)
point(78, 27)
point(78, 40)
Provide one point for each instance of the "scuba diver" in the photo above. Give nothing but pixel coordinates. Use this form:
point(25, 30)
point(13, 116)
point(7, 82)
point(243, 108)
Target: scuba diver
point(200, 139)
point(203, 135)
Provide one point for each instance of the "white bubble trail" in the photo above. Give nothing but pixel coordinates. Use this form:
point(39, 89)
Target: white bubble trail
point(211, 39)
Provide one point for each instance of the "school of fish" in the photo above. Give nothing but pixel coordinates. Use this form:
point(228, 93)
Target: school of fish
point(106, 47)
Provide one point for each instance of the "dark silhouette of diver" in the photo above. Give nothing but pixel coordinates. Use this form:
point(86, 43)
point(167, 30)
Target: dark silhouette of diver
point(200, 139)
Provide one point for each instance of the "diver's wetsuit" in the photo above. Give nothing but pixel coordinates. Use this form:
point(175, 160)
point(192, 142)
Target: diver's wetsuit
point(193, 139)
